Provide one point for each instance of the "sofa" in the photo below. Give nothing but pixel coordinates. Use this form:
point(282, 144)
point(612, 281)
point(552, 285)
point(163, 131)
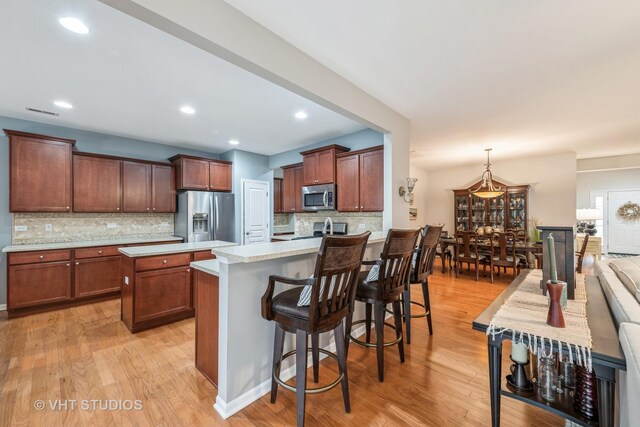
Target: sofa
point(620, 281)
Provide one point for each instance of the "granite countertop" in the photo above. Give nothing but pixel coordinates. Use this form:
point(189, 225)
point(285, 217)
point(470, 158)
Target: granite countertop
point(268, 251)
point(87, 244)
point(140, 251)
point(210, 266)
point(287, 236)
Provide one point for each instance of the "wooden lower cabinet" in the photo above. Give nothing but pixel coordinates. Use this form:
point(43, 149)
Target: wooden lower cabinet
point(37, 284)
point(161, 293)
point(207, 304)
point(97, 276)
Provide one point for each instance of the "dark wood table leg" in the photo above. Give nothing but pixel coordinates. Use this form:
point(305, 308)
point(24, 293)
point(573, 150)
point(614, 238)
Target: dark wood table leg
point(495, 378)
point(606, 381)
point(443, 248)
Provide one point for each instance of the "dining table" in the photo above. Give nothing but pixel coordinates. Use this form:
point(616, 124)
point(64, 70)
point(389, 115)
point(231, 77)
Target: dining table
point(521, 247)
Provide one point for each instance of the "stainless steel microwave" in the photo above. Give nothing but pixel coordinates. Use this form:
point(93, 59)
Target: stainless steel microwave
point(319, 197)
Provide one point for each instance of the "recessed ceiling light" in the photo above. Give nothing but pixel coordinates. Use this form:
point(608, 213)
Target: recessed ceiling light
point(188, 110)
point(63, 104)
point(301, 115)
point(234, 142)
point(74, 24)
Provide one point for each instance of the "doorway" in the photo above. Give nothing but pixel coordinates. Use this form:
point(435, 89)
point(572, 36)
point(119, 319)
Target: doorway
point(623, 234)
point(255, 212)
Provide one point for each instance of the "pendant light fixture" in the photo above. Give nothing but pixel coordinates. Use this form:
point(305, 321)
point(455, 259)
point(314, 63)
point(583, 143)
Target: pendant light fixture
point(486, 190)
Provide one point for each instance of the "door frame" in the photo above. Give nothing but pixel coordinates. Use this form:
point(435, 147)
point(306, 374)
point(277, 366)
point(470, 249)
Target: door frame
point(605, 212)
point(244, 181)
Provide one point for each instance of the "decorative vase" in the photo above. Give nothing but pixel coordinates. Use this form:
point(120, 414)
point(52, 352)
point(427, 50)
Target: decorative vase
point(547, 379)
point(585, 399)
point(555, 317)
point(488, 230)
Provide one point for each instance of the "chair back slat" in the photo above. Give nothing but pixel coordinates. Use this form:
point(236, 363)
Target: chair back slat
point(426, 252)
point(503, 248)
point(467, 245)
point(336, 273)
point(396, 258)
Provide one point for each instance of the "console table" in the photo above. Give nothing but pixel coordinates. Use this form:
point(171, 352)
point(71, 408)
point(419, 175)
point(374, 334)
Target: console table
point(606, 354)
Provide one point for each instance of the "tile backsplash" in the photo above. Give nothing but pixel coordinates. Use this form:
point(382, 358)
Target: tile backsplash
point(69, 227)
point(372, 221)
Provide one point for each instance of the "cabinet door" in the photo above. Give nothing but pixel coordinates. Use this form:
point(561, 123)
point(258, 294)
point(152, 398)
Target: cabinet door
point(136, 187)
point(372, 181)
point(277, 195)
point(347, 183)
point(326, 167)
point(40, 175)
point(298, 175)
point(288, 190)
point(219, 176)
point(160, 293)
point(96, 184)
point(310, 168)
point(195, 174)
point(36, 284)
point(95, 276)
point(163, 189)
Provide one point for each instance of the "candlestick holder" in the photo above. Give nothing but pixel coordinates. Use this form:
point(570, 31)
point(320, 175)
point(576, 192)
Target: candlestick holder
point(518, 377)
point(555, 317)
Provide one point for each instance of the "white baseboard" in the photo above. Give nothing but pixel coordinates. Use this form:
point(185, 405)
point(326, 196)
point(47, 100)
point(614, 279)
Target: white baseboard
point(228, 409)
point(3, 307)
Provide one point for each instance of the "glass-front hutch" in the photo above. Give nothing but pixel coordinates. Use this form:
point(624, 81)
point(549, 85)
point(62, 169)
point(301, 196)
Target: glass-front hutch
point(508, 211)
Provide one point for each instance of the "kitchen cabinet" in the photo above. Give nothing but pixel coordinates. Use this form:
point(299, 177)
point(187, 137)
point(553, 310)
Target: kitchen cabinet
point(38, 278)
point(97, 276)
point(207, 298)
point(39, 172)
point(292, 184)
point(197, 173)
point(277, 195)
point(97, 185)
point(360, 180)
point(319, 165)
point(148, 187)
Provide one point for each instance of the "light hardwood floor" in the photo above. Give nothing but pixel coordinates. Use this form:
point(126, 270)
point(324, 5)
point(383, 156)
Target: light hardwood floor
point(86, 353)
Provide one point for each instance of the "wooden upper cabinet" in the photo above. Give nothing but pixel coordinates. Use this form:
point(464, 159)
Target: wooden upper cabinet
point(197, 173)
point(347, 180)
point(292, 188)
point(372, 181)
point(136, 187)
point(277, 195)
point(97, 185)
point(163, 189)
point(220, 176)
point(39, 172)
point(319, 165)
point(360, 180)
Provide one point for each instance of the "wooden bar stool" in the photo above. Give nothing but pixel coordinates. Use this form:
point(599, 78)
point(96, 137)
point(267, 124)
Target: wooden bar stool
point(387, 287)
point(421, 269)
point(316, 305)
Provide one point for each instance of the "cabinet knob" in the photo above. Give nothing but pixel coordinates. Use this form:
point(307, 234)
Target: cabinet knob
point(99, 252)
point(117, 209)
point(147, 208)
point(188, 270)
point(68, 265)
point(164, 262)
point(154, 209)
point(361, 207)
point(41, 256)
point(77, 263)
point(67, 207)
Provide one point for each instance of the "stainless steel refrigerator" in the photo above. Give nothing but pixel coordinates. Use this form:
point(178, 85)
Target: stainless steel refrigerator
point(204, 216)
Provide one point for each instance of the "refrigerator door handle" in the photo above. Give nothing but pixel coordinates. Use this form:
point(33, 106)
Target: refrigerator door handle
point(212, 214)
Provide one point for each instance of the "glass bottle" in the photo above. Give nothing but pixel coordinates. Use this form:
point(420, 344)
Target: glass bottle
point(547, 379)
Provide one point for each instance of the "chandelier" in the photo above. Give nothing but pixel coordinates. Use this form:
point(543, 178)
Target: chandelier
point(486, 190)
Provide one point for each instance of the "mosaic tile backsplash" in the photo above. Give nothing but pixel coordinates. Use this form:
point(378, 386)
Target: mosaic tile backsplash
point(372, 221)
point(71, 227)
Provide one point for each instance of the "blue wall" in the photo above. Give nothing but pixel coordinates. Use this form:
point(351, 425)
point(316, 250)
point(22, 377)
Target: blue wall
point(355, 141)
point(86, 141)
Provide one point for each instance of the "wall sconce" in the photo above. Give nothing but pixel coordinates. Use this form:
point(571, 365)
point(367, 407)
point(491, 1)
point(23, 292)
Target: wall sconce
point(407, 193)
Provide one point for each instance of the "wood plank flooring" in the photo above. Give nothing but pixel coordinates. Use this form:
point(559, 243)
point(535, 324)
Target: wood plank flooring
point(86, 353)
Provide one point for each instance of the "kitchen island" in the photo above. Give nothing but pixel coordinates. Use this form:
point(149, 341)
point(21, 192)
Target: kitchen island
point(229, 319)
point(158, 282)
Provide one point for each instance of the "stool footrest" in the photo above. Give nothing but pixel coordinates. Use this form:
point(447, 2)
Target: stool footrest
point(368, 344)
point(314, 390)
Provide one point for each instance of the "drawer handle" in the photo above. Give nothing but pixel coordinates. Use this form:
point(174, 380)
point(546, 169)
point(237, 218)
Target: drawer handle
point(164, 262)
point(41, 256)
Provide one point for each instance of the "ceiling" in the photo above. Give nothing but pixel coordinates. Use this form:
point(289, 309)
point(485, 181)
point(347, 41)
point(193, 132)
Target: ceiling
point(129, 79)
point(524, 77)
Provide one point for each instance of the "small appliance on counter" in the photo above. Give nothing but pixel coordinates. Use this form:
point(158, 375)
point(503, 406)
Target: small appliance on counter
point(204, 216)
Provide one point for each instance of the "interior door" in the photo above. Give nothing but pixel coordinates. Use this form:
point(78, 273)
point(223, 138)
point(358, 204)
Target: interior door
point(624, 235)
point(255, 215)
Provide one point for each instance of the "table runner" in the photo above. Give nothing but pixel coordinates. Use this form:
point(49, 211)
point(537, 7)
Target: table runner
point(524, 313)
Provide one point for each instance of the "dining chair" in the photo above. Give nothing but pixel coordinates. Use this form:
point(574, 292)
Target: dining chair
point(446, 254)
point(503, 253)
point(467, 251)
point(581, 252)
point(314, 306)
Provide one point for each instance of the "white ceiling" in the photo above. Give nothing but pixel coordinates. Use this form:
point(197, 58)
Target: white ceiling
point(524, 77)
point(130, 79)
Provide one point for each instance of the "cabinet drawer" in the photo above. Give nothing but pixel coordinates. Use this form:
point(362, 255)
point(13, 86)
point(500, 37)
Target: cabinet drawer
point(160, 262)
point(97, 252)
point(203, 255)
point(40, 256)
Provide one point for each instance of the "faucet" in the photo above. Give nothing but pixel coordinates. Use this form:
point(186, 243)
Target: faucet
point(324, 228)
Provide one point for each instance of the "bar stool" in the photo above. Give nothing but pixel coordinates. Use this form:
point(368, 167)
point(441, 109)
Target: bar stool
point(422, 268)
point(329, 298)
point(385, 285)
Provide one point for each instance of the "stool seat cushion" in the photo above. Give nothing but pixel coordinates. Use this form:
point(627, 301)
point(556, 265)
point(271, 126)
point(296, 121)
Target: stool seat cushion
point(286, 304)
point(366, 288)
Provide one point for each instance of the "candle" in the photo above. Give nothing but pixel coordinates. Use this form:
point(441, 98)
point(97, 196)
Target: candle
point(519, 352)
point(552, 259)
